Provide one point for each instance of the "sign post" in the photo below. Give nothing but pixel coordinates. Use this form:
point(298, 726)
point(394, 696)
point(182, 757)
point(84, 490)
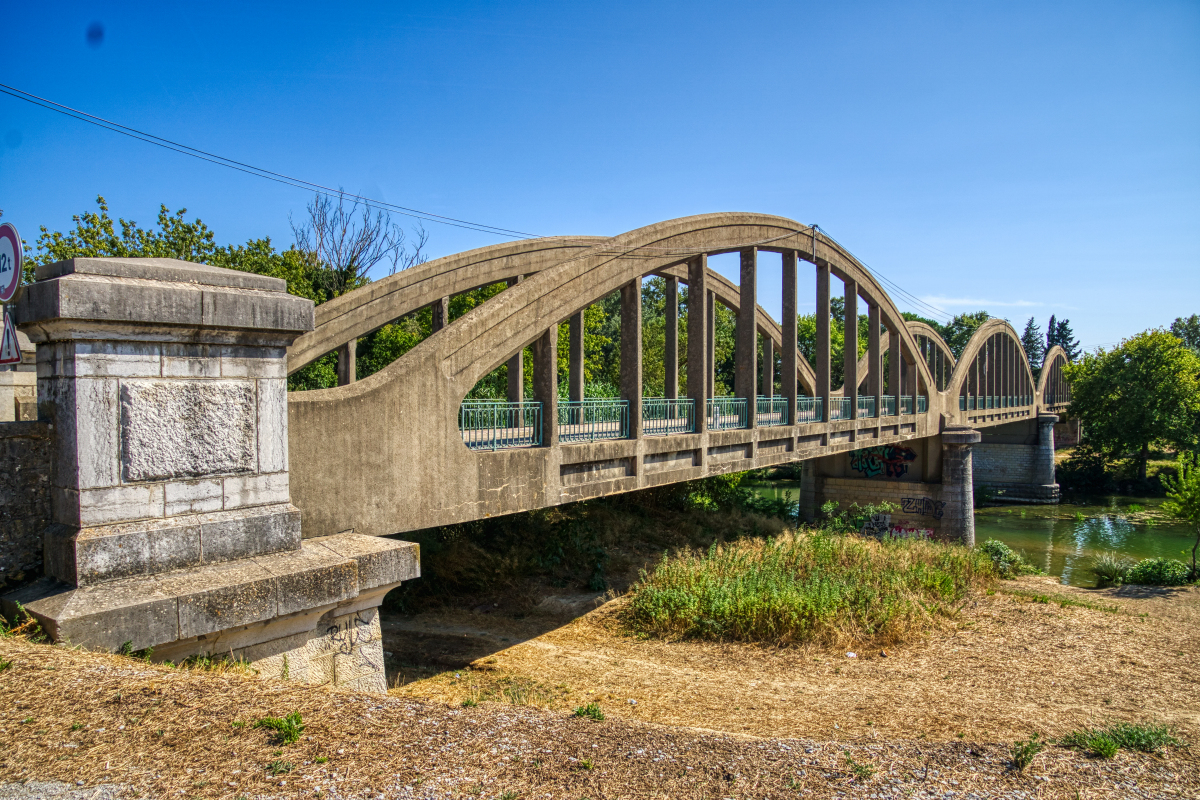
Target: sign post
point(10, 279)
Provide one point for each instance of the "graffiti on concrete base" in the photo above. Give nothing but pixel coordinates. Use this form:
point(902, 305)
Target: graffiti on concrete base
point(351, 633)
point(923, 506)
point(889, 458)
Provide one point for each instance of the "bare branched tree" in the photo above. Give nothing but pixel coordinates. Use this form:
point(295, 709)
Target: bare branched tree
point(344, 245)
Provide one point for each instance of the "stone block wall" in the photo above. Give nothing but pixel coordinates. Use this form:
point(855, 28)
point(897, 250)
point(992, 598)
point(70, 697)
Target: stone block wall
point(920, 505)
point(997, 464)
point(24, 498)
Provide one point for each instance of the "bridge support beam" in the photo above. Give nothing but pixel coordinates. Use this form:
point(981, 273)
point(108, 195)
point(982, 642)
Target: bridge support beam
point(671, 345)
point(545, 383)
point(516, 366)
point(575, 374)
point(710, 328)
point(746, 356)
point(958, 522)
point(441, 314)
point(874, 358)
point(850, 354)
point(698, 340)
point(767, 386)
point(824, 359)
point(790, 339)
point(347, 356)
point(172, 526)
point(631, 353)
point(895, 362)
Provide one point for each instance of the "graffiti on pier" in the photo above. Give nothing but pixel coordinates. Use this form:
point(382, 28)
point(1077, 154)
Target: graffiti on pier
point(889, 458)
point(350, 633)
point(923, 506)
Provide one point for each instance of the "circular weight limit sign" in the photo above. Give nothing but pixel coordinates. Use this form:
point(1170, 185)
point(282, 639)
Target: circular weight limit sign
point(10, 261)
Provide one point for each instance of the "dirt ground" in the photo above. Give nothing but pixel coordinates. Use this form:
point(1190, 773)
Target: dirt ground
point(932, 719)
point(1008, 667)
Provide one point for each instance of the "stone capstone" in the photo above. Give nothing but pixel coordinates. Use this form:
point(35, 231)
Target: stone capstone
point(186, 429)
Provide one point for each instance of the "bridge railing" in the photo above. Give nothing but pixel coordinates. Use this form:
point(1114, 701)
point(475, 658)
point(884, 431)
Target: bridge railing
point(497, 425)
point(889, 405)
point(808, 409)
point(771, 411)
point(727, 413)
point(592, 420)
point(839, 408)
point(662, 416)
point(970, 402)
point(866, 407)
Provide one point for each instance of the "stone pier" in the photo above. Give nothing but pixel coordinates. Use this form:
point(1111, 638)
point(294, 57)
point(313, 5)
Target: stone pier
point(172, 528)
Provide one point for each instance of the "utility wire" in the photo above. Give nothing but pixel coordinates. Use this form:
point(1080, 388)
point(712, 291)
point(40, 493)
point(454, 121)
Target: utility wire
point(250, 169)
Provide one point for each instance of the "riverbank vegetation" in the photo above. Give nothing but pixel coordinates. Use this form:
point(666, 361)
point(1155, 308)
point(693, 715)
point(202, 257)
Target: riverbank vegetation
point(807, 586)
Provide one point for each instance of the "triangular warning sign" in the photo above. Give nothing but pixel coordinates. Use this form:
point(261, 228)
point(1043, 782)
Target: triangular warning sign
point(10, 350)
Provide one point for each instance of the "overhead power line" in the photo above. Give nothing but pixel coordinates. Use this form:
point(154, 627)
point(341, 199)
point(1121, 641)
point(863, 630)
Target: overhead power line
point(250, 169)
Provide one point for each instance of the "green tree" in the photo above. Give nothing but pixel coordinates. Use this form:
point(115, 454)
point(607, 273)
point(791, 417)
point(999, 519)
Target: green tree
point(1035, 351)
point(1183, 497)
point(1143, 393)
point(1188, 329)
point(960, 330)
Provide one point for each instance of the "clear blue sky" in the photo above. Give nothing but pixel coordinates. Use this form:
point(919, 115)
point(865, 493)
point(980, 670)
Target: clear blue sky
point(1025, 158)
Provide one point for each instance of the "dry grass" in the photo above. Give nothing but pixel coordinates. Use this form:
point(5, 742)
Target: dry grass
point(104, 719)
point(1009, 666)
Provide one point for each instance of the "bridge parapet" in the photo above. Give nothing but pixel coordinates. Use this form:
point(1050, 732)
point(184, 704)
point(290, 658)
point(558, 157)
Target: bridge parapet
point(164, 383)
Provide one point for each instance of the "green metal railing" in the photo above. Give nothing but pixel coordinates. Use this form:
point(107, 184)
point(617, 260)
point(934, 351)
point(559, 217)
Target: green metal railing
point(922, 404)
point(808, 409)
point(727, 413)
point(771, 411)
point(662, 417)
point(866, 407)
point(494, 425)
point(839, 408)
point(889, 405)
point(592, 420)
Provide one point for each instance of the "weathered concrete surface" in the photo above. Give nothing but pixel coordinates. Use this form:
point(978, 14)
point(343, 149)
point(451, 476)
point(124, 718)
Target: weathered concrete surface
point(165, 385)
point(25, 452)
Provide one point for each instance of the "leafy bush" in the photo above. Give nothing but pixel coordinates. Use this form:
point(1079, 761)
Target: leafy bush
point(590, 711)
point(1158, 572)
point(811, 586)
point(1023, 751)
point(287, 729)
point(1110, 568)
point(853, 518)
point(1104, 742)
point(1007, 562)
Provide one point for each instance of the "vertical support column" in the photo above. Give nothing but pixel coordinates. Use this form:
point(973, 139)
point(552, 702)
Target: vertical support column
point(850, 352)
point(1045, 455)
point(788, 367)
point(874, 358)
point(767, 384)
point(516, 366)
point(545, 383)
point(346, 362)
point(958, 520)
point(631, 353)
point(895, 361)
point(823, 358)
point(710, 368)
point(698, 340)
point(575, 373)
point(671, 345)
point(441, 314)
point(746, 352)
point(911, 380)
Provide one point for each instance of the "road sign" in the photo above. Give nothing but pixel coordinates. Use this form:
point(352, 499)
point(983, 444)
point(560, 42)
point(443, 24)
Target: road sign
point(10, 348)
point(10, 261)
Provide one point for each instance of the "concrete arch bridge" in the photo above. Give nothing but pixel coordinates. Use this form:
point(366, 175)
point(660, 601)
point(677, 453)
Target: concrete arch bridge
point(403, 450)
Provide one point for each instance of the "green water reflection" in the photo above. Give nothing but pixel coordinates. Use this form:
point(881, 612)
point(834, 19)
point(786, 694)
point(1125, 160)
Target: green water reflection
point(1054, 539)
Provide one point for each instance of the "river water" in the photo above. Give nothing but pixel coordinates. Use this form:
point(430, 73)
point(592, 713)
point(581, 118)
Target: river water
point(1063, 539)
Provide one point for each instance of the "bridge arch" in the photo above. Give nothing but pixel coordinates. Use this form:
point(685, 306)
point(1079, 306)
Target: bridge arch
point(384, 454)
point(993, 371)
point(1053, 389)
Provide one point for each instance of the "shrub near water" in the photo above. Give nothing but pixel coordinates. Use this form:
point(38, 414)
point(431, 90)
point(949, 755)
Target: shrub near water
point(811, 586)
